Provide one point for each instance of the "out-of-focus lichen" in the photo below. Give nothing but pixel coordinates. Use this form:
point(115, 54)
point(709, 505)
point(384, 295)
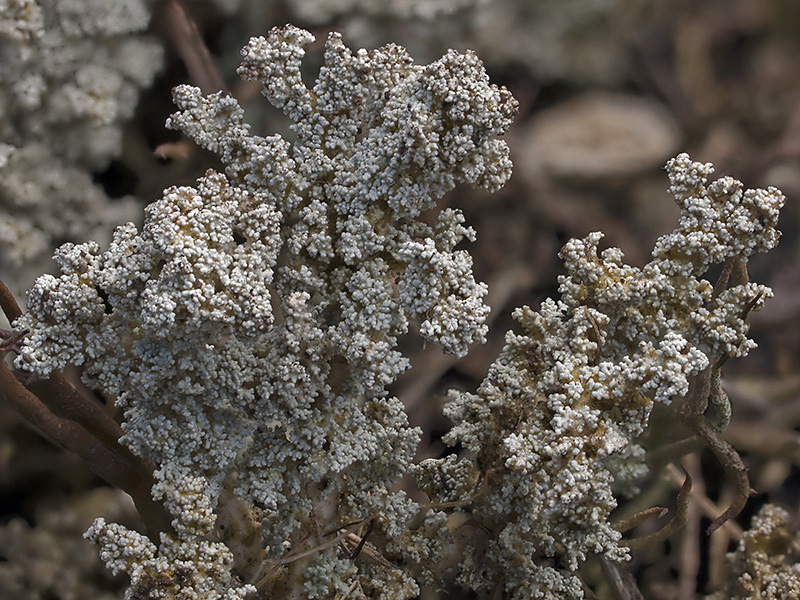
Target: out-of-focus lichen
point(50, 560)
point(76, 68)
point(567, 40)
point(72, 72)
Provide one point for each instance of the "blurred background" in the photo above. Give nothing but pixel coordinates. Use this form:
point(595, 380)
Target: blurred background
point(609, 90)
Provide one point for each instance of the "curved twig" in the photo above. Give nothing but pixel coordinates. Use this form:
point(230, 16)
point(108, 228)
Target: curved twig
point(675, 523)
point(655, 512)
point(734, 467)
point(9, 304)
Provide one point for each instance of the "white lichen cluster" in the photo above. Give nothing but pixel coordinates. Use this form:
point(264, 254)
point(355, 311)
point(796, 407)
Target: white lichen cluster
point(185, 566)
point(71, 72)
point(249, 330)
point(567, 397)
point(766, 563)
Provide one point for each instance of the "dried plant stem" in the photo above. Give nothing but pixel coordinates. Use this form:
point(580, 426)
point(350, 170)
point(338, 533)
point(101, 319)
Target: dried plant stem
point(656, 512)
point(709, 508)
point(73, 422)
point(704, 386)
point(675, 524)
point(674, 451)
point(734, 467)
point(689, 554)
point(718, 547)
point(724, 276)
point(9, 304)
point(66, 401)
point(620, 581)
point(189, 44)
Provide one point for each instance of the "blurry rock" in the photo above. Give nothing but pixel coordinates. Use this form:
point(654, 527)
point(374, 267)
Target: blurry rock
point(599, 135)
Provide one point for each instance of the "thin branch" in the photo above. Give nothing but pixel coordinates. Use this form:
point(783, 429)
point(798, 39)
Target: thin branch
point(718, 546)
point(68, 435)
point(66, 401)
point(709, 508)
point(274, 565)
point(734, 467)
point(656, 512)
point(692, 415)
point(724, 276)
point(9, 303)
point(751, 304)
point(622, 583)
point(674, 450)
point(675, 524)
point(598, 336)
point(369, 552)
point(696, 400)
point(363, 541)
point(184, 35)
point(11, 339)
point(688, 558)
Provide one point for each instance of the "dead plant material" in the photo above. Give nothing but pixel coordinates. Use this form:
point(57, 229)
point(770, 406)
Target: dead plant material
point(675, 524)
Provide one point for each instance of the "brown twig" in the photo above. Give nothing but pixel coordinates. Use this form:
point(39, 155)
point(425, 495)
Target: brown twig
point(751, 304)
point(363, 541)
point(656, 512)
point(691, 413)
point(183, 33)
point(11, 339)
point(688, 559)
point(622, 583)
point(673, 451)
point(9, 304)
point(675, 523)
point(734, 467)
point(69, 435)
point(66, 401)
point(272, 566)
point(718, 546)
point(724, 277)
point(597, 335)
point(709, 508)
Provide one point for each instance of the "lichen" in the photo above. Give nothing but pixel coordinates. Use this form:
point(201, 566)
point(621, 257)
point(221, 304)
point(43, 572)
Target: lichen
point(249, 330)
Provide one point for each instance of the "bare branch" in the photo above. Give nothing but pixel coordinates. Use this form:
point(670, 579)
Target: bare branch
point(676, 523)
point(9, 303)
point(183, 32)
point(69, 435)
point(656, 512)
